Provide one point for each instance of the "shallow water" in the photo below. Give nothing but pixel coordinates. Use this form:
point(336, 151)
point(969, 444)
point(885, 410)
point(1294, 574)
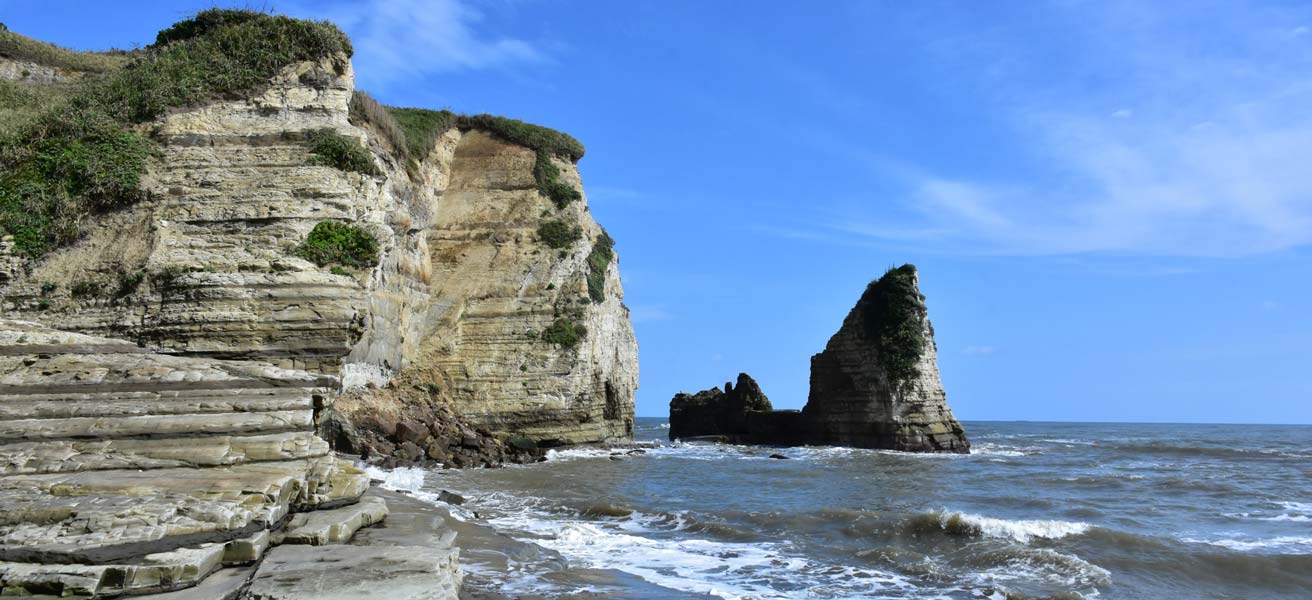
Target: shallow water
point(1038, 510)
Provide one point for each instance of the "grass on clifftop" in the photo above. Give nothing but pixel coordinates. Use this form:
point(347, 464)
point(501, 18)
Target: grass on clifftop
point(414, 132)
point(334, 243)
point(892, 309)
point(603, 250)
point(81, 155)
point(420, 128)
point(23, 48)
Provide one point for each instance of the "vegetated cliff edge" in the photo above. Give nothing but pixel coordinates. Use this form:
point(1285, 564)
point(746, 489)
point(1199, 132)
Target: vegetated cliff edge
point(448, 272)
point(875, 385)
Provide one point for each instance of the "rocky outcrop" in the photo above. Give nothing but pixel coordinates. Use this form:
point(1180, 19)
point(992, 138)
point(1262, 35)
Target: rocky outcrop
point(876, 385)
point(207, 266)
point(126, 471)
point(717, 412)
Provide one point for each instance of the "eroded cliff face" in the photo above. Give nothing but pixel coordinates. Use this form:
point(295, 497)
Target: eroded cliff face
point(455, 308)
point(858, 399)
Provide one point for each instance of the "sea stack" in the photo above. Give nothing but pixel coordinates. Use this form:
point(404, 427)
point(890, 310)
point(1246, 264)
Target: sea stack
point(717, 412)
point(876, 384)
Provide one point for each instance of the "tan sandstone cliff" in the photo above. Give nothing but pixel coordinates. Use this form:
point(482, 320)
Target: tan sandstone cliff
point(450, 319)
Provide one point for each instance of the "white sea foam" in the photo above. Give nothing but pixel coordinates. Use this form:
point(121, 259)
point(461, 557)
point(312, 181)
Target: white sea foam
point(1302, 508)
point(1285, 543)
point(721, 569)
point(1020, 530)
point(1055, 568)
point(991, 449)
point(1298, 512)
point(576, 453)
point(410, 479)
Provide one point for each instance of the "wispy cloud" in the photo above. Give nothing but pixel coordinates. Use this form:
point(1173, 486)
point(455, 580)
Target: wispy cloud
point(978, 350)
point(1195, 144)
point(398, 40)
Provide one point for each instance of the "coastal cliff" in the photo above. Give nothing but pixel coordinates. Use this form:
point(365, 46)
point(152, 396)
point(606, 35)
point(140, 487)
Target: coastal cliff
point(219, 262)
point(875, 385)
point(451, 318)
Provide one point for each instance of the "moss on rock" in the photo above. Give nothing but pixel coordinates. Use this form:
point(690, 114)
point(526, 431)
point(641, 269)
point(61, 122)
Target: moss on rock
point(893, 312)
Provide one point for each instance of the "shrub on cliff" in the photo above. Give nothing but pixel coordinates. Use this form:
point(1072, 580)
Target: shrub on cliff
point(603, 250)
point(331, 242)
point(564, 333)
point(892, 310)
point(559, 234)
point(331, 149)
point(547, 177)
point(81, 155)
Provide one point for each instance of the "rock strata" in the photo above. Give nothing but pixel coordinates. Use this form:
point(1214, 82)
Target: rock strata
point(125, 471)
point(456, 306)
point(875, 385)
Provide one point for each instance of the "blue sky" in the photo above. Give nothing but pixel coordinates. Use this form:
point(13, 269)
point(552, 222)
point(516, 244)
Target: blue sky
point(1109, 202)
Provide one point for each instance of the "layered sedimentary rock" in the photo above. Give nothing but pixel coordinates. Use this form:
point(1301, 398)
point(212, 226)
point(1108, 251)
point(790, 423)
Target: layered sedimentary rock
point(207, 266)
point(717, 412)
point(875, 385)
point(126, 471)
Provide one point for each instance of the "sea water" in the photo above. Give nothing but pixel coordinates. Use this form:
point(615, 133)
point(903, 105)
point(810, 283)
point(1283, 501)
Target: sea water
point(1037, 510)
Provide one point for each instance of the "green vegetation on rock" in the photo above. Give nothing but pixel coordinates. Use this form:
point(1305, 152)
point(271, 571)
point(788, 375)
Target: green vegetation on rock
point(421, 128)
point(892, 312)
point(331, 149)
point(537, 137)
point(547, 177)
point(603, 250)
point(565, 333)
point(559, 234)
point(334, 243)
point(21, 47)
point(80, 154)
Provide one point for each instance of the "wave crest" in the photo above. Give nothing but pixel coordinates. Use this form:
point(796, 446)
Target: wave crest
point(1023, 531)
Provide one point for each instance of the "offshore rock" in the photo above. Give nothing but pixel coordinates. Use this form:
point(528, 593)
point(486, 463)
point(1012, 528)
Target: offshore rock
point(876, 385)
point(716, 411)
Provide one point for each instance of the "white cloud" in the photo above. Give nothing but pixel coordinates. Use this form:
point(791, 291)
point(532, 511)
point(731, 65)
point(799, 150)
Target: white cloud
point(1211, 164)
point(978, 350)
point(398, 40)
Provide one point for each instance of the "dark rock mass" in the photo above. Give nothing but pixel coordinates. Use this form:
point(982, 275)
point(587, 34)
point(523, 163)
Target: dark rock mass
point(875, 385)
point(715, 411)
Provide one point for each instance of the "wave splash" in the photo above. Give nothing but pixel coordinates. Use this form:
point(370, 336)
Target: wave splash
point(1022, 531)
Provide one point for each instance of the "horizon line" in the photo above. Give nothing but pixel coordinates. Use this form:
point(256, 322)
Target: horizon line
point(1085, 422)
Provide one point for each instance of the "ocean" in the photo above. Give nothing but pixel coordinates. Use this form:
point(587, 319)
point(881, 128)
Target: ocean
point(1037, 510)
